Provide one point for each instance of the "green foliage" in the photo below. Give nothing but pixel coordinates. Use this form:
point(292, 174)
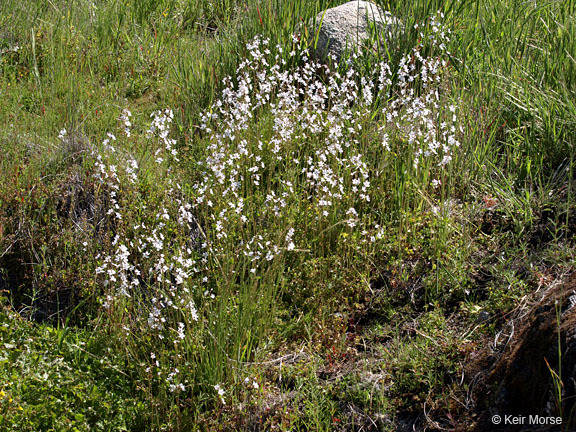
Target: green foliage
point(425, 360)
point(63, 379)
point(470, 237)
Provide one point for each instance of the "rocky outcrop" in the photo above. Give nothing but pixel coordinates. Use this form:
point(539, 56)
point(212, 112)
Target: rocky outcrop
point(536, 374)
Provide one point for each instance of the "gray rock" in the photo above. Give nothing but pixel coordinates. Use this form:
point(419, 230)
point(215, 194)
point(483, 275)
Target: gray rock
point(483, 317)
point(347, 27)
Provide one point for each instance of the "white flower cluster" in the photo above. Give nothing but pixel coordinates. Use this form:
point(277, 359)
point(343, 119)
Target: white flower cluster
point(220, 392)
point(145, 257)
point(290, 154)
point(305, 141)
point(119, 270)
point(419, 116)
point(125, 119)
point(160, 127)
point(172, 379)
point(303, 112)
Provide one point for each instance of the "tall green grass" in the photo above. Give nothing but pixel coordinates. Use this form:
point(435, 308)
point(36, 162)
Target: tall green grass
point(77, 65)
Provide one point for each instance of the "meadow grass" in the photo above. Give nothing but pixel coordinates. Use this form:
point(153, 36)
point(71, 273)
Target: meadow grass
point(296, 246)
